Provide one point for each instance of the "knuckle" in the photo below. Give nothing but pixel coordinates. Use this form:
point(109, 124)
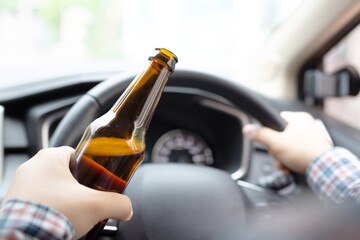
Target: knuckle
point(21, 168)
point(42, 152)
point(127, 202)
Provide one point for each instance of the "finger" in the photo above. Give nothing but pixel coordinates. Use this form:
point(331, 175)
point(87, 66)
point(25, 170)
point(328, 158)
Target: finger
point(300, 116)
point(64, 151)
point(249, 130)
point(115, 205)
point(58, 157)
point(287, 115)
point(55, 152)
point(67, 155)
point(261, 134)
point(62, 154)
point(283, 168)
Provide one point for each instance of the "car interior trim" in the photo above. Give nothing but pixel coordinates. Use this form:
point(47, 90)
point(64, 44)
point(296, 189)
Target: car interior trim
point(244, 119)
point(42, 118)
point(199, 92)
point(2, 110)
point(43, 86)
point(221, 104)
point(252, 186)
point(45, 129)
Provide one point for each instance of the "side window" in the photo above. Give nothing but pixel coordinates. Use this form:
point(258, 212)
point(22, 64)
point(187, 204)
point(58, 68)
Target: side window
point(346, 52)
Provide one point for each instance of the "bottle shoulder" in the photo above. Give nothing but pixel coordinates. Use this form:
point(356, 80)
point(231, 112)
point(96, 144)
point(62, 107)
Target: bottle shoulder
point(115, 127)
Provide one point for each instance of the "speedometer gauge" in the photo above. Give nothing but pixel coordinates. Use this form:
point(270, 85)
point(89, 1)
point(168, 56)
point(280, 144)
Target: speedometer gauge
point(182, 146)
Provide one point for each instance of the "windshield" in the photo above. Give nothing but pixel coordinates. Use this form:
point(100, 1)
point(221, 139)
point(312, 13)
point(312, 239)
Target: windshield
point(42, 39)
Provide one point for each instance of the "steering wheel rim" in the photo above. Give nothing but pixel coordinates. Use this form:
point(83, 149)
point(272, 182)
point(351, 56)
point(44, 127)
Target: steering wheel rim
point(99, 99)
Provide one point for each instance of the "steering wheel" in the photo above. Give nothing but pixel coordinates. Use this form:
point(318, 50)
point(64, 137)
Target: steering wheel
point(175, 201)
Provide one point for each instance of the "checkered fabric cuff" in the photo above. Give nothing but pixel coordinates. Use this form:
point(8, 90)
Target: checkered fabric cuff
point(335, 175)
point(28, 220)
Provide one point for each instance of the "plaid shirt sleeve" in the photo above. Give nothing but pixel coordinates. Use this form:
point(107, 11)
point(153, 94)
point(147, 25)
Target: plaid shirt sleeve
point(335, 175)
point(28, 220)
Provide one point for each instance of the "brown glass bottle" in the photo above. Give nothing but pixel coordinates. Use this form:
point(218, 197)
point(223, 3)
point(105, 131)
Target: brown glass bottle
point(113, 145)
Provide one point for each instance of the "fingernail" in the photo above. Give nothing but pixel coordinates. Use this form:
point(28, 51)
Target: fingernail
point(249, 130)
point(130, 215)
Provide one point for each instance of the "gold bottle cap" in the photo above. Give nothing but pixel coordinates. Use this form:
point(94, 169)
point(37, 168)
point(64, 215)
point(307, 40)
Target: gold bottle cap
point(166, 56)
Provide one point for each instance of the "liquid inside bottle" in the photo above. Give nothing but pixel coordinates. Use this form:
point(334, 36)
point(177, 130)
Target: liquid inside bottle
point(108, 163)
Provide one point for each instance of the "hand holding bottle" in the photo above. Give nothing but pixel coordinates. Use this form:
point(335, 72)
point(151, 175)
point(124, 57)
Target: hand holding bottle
point(46, 179)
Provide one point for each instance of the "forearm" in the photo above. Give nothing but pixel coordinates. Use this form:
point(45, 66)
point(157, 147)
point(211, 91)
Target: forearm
point(335, 175)
point(28, 220)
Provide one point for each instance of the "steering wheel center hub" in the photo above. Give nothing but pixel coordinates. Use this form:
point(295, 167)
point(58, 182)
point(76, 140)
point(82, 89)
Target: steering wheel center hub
point(183, 201)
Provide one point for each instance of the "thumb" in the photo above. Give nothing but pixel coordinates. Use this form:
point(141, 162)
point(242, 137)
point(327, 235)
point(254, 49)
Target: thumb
point(261, 134)
point(115, 205)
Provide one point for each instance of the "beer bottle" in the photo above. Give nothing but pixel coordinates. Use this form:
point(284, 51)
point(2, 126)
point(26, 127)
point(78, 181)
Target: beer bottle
point(113, 145)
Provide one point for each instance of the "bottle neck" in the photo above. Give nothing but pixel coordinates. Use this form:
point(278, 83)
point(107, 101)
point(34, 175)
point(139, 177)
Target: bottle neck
point(137, 104)
point(152, 100)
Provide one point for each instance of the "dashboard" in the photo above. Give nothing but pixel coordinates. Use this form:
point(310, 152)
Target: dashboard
point(190, 125)
point(198, 122)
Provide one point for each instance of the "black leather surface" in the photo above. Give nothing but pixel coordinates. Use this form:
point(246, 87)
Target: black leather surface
point(99, 99)
point(181, 201)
